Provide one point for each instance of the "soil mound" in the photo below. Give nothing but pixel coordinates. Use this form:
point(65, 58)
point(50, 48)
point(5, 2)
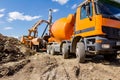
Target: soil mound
point(11, 50)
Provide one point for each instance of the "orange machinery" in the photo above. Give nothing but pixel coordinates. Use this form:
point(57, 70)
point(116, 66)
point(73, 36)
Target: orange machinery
point(62, 29)
point(93, 29)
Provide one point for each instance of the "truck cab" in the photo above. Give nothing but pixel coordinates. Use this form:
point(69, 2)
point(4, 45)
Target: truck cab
point(97, 29)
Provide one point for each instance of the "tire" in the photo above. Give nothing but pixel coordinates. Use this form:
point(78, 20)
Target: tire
point(36, 48)
point(33, 47)
point(65, 51)
point(80, 52)
point(48, 49)
point(52, 51)
point(110, 57)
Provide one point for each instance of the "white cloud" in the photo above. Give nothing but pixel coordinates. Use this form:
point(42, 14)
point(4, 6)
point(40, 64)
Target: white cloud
point(62, 2)
point(74, 6)
point(20, 16)
point(2, 10)
point(55, 10)
point(8, 28)
point(1, 15)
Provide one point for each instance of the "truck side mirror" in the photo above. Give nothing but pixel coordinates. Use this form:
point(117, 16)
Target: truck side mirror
point(88, 11)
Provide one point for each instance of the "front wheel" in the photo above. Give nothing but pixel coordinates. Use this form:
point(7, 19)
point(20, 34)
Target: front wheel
point(33, 47)
point(36, 48)
point(80, 52)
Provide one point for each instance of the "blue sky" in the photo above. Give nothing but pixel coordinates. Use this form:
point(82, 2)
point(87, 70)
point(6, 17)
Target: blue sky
point(17, 16)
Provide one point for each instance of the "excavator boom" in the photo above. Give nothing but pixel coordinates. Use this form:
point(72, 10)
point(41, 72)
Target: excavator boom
point(34, 29)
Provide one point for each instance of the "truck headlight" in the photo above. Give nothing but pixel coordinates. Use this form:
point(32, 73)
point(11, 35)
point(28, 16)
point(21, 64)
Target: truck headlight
point(118, 43)
point(106, 46)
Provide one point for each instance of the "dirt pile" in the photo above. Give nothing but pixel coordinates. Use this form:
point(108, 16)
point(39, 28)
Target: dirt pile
point(11, 50)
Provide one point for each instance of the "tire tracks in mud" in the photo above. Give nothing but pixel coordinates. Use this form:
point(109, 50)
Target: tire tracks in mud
point(53, 69)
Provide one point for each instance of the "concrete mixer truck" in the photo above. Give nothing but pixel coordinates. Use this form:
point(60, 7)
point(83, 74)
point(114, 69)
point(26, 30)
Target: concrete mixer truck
point(94, 29)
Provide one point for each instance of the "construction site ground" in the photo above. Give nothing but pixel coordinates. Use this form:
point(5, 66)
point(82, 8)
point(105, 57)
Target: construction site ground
point(20, 63)
point(46, 67)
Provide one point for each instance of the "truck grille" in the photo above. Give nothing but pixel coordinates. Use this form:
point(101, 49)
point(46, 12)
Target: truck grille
point(113, 33)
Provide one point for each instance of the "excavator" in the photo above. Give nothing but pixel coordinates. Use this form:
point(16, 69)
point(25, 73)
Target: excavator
point(32, 40)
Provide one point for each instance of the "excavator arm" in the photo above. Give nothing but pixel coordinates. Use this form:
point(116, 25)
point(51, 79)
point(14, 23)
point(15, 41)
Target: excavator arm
point(34, 29)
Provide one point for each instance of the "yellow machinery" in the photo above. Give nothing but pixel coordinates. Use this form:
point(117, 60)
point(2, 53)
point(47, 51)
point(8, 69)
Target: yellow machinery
point(32, 40)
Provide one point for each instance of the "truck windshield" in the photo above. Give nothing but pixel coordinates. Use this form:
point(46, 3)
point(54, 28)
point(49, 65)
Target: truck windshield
point(108, 8)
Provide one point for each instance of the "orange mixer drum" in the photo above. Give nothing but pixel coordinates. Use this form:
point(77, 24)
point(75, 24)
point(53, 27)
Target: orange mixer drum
point(63, 28)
